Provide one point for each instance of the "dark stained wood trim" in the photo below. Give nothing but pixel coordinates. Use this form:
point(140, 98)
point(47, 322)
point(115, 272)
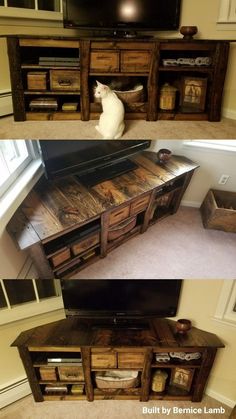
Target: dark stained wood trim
point(203, 373)
point(146, 376)
point(33, 380)
point(40, 261)
point(86, 356)
point(84, 78)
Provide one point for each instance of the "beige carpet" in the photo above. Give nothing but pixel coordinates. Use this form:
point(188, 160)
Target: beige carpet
point(176, 247)
point(108, 409)
point(225, 129)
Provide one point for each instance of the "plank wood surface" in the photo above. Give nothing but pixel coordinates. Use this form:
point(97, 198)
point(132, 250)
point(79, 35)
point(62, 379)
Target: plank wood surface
point(54, 208)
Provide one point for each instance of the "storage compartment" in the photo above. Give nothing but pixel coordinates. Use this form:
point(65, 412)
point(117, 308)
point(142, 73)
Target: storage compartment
point(135, 61)
point(218, 210)
point(60, 257)
point(116, 379)
point(104, 61)
point(121, 229)
point(70, 373)
point(130, 360)
point(65, 80)
point(118, 215)
point(139, 205)
point(37, 80)
point(104, 360)
point(85, 244)
point(48, 373)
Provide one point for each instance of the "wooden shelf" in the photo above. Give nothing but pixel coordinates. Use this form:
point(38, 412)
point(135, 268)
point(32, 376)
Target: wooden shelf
point(52, 116)
point(172, 365)
point(63, 337)
point(110, 58)
point(186, 69)
point(51, 92)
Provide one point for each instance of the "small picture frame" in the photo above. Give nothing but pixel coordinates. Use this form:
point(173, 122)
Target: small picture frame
point(182, 378)
point(193, 94)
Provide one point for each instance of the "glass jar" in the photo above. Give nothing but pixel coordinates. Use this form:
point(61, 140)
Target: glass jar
point(167, 97)
point(159, 381)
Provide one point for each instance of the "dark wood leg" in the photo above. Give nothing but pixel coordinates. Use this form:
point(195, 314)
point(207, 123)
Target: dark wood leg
point(203, 374)
point(33, 380)
point(40, 261)
point(86, 356)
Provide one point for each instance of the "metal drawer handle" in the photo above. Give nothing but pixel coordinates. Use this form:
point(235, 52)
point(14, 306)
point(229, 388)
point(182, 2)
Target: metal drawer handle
point(65, 82)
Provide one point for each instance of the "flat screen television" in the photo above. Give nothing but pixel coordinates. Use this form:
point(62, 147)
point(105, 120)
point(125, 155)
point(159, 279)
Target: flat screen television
point(91, 160)
point(115, 299)
point(122, 15)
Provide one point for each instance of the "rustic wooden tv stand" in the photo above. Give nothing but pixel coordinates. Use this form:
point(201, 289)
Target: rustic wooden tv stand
point(66, 226)
point(47, 73)
point(104, 349)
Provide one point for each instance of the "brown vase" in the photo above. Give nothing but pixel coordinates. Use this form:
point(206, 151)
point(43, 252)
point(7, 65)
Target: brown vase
point(183, 325)
point(163, 155)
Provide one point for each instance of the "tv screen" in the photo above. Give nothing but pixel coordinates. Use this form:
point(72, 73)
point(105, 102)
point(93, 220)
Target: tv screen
point(66, 157)
point(122, 14)
point(114, 298)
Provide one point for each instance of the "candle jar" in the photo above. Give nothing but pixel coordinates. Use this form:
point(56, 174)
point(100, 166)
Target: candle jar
point(159, 381)
point(167, 97)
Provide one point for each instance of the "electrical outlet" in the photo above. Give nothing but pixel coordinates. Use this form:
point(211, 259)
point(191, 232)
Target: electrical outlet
point(223, 179)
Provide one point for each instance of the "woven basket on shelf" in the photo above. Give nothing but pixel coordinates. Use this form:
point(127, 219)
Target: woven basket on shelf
point(131, 96)
point(116, 379)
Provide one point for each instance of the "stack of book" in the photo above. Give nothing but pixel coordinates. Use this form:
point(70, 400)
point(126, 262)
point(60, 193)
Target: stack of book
point(43, 103)
point(60, 61)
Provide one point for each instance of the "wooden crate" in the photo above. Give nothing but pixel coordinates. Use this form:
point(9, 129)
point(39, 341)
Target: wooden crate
point(37, 80)
point(48, 373)
point(218, 210)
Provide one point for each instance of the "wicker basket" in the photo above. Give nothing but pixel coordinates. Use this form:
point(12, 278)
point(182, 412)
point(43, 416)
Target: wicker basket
point(131, 96)
point(116, 379)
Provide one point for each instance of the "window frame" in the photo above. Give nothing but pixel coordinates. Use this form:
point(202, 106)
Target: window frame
point(228, 146)
point(22, 311)
point(225, 312)
point(8, 12)
point(32, 155)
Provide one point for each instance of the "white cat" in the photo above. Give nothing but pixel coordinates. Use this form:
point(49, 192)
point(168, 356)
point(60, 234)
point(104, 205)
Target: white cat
point(111, 123)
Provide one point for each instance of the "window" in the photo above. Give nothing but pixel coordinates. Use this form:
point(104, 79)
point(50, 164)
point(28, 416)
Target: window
point(227, 12)
point(35, 9)
point(222, 145)
point(226, 308)
point(29, 297)
point(15, 156)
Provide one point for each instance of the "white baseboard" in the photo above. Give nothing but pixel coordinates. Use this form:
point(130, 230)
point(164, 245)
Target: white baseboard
point(220, 398)
point(5, 103)
point(229, 113)
point(14, 392)
point(193, 204)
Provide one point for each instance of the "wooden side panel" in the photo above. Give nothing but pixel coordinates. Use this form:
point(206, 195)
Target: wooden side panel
point(21, 230)
point(203, 374)
point(86, 356)
point(152, 108)
point(146, 376)
point(220, 67)
point(84, 74)
point(33, 380)
point(16, 79)
point(40, 261)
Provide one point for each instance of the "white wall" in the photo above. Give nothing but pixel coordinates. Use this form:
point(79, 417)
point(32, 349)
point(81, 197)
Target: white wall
point(213, 163)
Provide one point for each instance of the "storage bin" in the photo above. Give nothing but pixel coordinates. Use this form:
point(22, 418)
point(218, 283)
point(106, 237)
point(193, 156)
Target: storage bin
point(116, 379)
point(218, 210)
point(71, 373)
point(37, 80)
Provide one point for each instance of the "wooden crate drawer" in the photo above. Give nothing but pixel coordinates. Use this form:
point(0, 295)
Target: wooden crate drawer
point(137, 61)
point(48, 373)
point(131, 360)
point(118, 215)
point(85, 244)
point(103, 360)
point(60, 257)
point(139, 204)
point(104, 61)
point(37, 80)
point(121, 229)
point(65, 80)
point(71, 373)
